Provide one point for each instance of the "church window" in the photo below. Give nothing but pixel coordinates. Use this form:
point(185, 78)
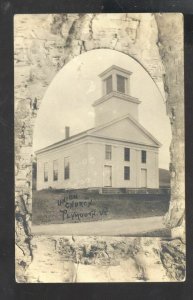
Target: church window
point(55, 170)
point(121, 84)
point(109, 84)
point(126, 173)
point(108, 152)
point(45, 171)
point(66, 168)
point(126, 154)
point(143, 156)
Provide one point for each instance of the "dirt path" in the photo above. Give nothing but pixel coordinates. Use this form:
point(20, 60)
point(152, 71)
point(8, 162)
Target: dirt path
point(110, 227)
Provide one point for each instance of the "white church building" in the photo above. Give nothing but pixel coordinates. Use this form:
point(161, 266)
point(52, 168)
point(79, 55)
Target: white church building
point(118, 152)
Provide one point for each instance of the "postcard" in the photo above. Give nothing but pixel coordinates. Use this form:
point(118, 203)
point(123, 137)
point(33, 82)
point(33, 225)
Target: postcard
point(99, 147)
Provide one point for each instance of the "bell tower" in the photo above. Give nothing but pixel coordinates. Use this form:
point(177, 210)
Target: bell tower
point(116, 100)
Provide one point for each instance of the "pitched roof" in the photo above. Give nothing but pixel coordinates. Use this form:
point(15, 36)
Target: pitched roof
point(145, 131)
point(64, 141)
point(93, 130)
point(114, 67)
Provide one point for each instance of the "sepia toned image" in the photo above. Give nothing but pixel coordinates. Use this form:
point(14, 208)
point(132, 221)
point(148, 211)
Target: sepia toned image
point(110, 169)
point(99, 148)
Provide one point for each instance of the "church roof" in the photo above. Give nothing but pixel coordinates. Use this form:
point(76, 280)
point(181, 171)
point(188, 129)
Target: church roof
point(93, 132)
point(114, 67)
point(134, 121)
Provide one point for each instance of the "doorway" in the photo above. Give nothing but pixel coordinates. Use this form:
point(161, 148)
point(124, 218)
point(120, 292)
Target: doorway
point(108, 176)
point(143, 178)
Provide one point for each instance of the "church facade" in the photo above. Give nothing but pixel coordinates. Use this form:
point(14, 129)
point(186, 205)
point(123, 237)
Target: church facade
point(118, 152)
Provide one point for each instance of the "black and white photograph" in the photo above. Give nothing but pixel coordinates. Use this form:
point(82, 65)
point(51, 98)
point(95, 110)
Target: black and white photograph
point(99, 147)
point(111, 169)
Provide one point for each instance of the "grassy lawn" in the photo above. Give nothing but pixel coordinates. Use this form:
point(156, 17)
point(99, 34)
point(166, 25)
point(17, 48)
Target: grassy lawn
point(50, 207)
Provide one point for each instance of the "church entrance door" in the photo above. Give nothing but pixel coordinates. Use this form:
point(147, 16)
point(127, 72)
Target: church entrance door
point(107, 176)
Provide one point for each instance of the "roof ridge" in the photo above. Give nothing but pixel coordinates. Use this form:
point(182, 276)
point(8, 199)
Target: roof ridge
point(136, 122)
point(94, 129)
point(63, 140)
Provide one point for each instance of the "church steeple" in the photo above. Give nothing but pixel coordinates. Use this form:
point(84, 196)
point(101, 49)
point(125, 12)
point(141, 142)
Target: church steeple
point(115, 79)
point(116, 100)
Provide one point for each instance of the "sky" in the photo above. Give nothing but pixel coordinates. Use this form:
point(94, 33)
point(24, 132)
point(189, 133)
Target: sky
point(68, 100)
